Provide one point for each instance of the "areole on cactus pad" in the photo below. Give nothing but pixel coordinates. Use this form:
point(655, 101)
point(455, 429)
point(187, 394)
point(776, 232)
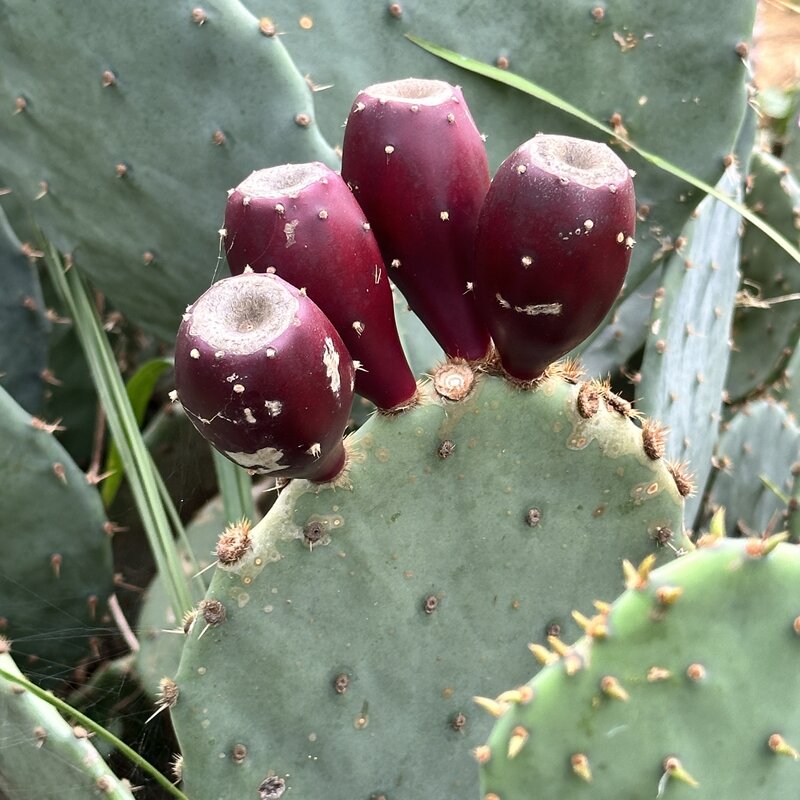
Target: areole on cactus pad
point(301, 222)
point(265, 377)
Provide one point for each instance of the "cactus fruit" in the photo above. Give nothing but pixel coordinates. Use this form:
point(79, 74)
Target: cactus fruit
point(264, 376)
point(554, 240)
point(418, 167)
point(301, 222)
point(685, 687)
point(374, 611)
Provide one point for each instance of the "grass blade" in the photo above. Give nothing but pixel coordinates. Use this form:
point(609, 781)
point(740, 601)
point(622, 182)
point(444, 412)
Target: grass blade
point(123, 426)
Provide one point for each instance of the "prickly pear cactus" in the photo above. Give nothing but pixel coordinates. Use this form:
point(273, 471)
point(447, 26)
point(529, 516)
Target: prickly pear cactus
point(121, 130)
point(337, 651)
point(665, 698)
point(57, 572)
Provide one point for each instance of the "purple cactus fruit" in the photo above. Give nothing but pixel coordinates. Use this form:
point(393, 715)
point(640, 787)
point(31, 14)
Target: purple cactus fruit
point(301, 222)
point(264, 376)
point(417, 165)
point(552, 249)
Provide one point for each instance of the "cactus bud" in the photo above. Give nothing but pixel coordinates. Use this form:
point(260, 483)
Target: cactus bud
point(417, 165)
point(554, 240)
point(264, 376)
point(301, 222)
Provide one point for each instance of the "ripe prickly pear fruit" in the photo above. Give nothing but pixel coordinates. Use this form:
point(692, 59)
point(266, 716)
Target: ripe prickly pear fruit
point(265, 377)
point(417, 165)
point(301, 222)
point(552, 248)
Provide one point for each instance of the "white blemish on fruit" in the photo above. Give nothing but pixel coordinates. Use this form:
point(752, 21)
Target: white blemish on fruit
point(263, 461)
point(389, 149)
point(358, 327)
point(395, 263)
point(279, 208)
point(315, 450)
point(273, 407)
point(246, 200)
point(526, 261)
point(620, 237)
point(444, 216)
point(630, 242)
point(330, 358)
point(219, 354)
point(232, 378)
point(173, 396)
point(503, 302)
point(248, 415)
point(588, 224)
point(548, 309)
point(323, 214)
point(289, 231)
point(521, 169)
point(238, 388)
point(194, 353)
point(271, 352)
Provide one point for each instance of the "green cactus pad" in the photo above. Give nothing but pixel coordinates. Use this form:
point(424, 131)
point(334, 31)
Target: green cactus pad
point(757, 450)
point(57, 570)
point(41, 755)
point(23, 324)
point(366, 614)
point(131, 127)
point(626, 47)
point(686, 354)
point(764, 333)
point(700, 664)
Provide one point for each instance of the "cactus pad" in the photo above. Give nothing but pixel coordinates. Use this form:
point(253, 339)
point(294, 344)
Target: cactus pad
point(690, 692)
point(365, 615)
point(57, 570)
point(131, 127)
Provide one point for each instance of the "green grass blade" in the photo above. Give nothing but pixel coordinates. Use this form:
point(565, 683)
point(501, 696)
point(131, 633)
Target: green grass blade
point(540, 93)
point(123, 426)
point(88, 723)
point(140, 389)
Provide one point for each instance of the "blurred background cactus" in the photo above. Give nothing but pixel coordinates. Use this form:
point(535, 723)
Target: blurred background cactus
point(331, 644)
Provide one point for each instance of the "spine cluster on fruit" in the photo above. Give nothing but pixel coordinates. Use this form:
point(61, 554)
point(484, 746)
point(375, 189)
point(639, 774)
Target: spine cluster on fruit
point(528, 263)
